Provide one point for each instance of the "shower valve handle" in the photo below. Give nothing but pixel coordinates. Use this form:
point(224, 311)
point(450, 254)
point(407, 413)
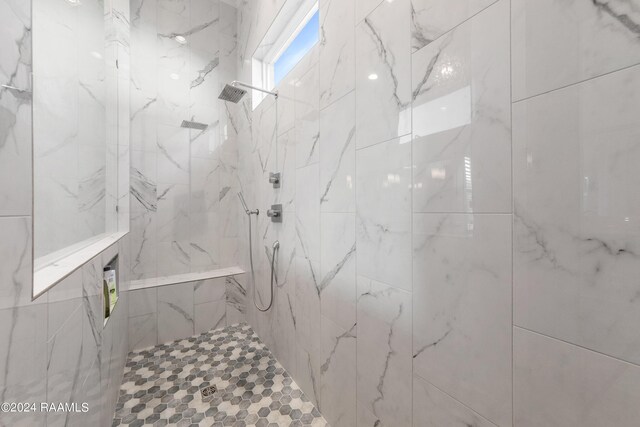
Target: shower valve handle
point(275, 213)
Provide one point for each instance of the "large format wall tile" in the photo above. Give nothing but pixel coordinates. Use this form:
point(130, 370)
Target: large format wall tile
point(16, 268)
point(337, 284)
point(384, 341)
point(434, 408)
point(337, 400)
point(337, 50)
point(558, 43)
point(576, 235)
point(430, 19)
point(383, 74)
point(383, 233)
point(559, 384)
point(175, 312)
point(307, 124)
point(462, 308)
point(461, 116)
point(15, 110)
point(338, 156)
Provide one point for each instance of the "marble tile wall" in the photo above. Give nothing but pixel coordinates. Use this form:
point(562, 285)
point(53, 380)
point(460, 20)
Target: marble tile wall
point(167, 313)
point(55, 348)
point(459, 243)
point(183, 181)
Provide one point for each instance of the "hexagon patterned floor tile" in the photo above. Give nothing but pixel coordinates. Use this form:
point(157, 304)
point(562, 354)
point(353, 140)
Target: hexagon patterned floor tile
point(164, 385)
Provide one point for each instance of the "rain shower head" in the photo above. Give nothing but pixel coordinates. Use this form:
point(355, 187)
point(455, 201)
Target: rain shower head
point(194, 125)
point(232, 93)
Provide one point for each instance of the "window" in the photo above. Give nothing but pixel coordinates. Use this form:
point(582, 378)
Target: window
point(304, 41)
point(291, 36)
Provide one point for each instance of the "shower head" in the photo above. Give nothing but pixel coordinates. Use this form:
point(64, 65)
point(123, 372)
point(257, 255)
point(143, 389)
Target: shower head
point(194, 125)
point(232, 93)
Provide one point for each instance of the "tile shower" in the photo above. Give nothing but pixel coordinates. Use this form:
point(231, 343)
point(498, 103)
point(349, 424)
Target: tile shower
point(460, 237)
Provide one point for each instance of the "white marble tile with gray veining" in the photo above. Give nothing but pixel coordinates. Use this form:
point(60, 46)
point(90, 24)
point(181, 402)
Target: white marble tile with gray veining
point(462, 308)
point(337, 399)
point(383, 74)
point(576, 239)
point(337, 147)
point(307, 124)
point(558, 43)
point(383, 219)
point(430, 19)
point(175, 312)
point(461, 116)
point(336, 50)
point(15, 108)
point(384, 336)
point(338, 268)
point(559, 384)
point(16, 269)
point(433, 408)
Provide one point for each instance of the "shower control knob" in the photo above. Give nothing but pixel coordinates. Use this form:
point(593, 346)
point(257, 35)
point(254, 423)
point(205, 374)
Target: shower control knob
point(275, 213)
point(274, 178)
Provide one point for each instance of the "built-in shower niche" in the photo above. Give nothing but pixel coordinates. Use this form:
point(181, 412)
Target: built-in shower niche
point(110, 291)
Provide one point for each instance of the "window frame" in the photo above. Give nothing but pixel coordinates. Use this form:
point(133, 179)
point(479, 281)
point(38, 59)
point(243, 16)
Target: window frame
point(283, 35)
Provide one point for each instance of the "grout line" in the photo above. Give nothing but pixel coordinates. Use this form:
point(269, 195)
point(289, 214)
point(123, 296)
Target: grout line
point(577, 83)
point(459, 401)
point(616, 358)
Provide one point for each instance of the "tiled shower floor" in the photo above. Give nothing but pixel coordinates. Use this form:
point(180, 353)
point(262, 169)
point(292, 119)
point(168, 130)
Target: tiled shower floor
point(162, 384)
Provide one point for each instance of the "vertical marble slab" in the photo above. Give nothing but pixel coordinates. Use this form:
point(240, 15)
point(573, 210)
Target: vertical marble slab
point(430, 19)
point(143, 331)
point(209, 316)
point(307, 305)
point(556, 383)
point(384, 368)
point(462, 309)
point(383, 218)
point(337, 400)
point(15, 108)
point(383, 74)
point(461, 116)
point(365, 7)
point(308, 373)
point(143, 301)
point(16, 269)
point(433, 408)
point(336, 50)
point(338, 268)
point(558, 43)
point(236, 297)
point(64, 351)
point(338, 156)
point(307, 123)
point(209, 290)
point(307, 215)
point(576, 234)
point(23, 358)
point(175, 312)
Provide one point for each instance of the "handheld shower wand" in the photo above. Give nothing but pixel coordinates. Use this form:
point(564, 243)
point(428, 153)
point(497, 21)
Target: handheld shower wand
point(276, 246)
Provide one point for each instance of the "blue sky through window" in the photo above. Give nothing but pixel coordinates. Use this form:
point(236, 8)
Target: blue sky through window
point(303, 42)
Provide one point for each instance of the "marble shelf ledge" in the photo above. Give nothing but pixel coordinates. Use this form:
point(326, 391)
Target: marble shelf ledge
point(49, 275)
point(184, 278)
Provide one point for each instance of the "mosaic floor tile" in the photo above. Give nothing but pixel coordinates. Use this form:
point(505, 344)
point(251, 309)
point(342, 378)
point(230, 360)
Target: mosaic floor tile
point(164, 385)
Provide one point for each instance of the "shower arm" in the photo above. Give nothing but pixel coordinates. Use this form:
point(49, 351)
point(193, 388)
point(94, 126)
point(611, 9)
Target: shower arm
point(238, 83)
